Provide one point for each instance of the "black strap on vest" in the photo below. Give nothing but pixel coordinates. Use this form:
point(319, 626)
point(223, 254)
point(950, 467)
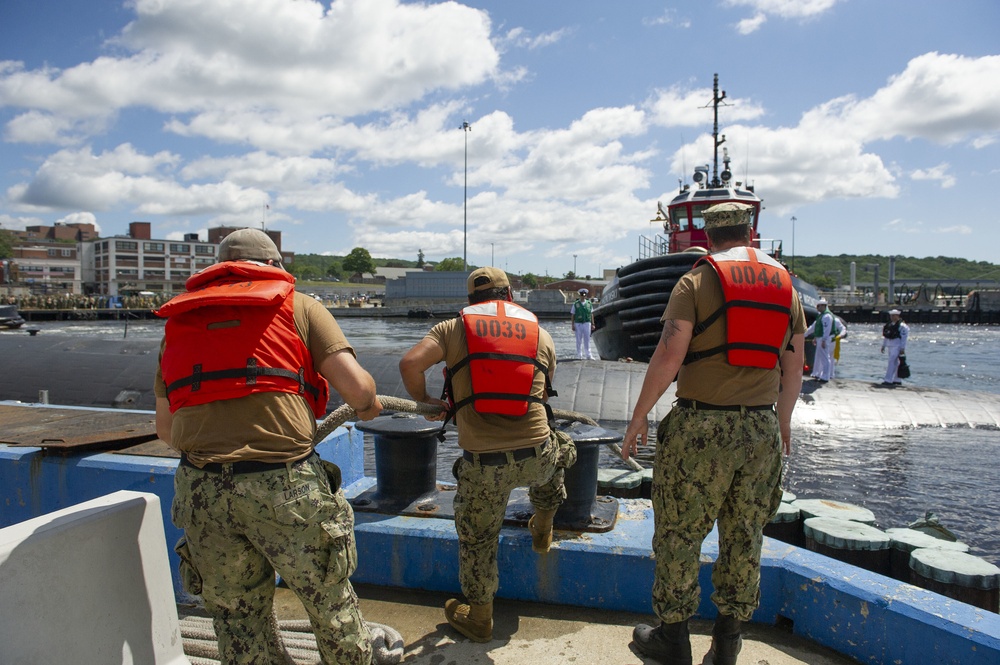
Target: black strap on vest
point(745, 346)
point(447, 392)
point(249, 373)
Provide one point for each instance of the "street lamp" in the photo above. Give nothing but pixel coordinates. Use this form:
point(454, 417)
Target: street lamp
point(793, 244)
point(466, 128)
point(491, 255)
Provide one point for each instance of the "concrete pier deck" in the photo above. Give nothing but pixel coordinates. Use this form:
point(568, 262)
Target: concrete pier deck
point(543, 634)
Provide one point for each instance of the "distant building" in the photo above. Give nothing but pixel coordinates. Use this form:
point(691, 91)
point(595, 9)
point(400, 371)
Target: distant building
point(73, 258)
point(136, 262)
point(47, 258)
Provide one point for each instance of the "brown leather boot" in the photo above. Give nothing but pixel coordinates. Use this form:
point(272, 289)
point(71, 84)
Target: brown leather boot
point(669, 643)
point(540, 526)
point(473, 621)
point(727, 641)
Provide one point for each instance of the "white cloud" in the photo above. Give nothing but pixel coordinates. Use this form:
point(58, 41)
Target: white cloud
point(938, 97)
point(786, 8)
point(750, 25)
point(17, 223)
point(938, 173)
point(521, 38)
point(903, 226)
point(958, 229)
point(193, 57)
point(668, 17)
point(675, 107)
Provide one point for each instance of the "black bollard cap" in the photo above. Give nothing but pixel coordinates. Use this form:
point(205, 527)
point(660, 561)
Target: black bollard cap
point(399, 425)
point(583, 434)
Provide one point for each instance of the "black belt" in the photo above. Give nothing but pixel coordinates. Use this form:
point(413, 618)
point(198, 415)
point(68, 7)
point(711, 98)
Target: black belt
point(250, 466)
point(497, 459)
point(702, 406)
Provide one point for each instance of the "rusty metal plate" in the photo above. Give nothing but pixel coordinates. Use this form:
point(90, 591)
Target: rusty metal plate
point(154, 448)
point(73, 429)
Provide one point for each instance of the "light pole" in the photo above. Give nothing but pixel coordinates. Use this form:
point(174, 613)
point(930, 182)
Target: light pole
point(466, 128)
point(491, 255)
point(574, 266)
point(793, 244)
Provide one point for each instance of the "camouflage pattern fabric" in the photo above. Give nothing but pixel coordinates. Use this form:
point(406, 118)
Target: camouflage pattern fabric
point(481, 502)
point(241, 529)
point(713, 465)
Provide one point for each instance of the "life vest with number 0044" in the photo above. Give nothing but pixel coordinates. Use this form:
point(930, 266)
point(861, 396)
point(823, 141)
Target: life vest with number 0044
point(502, 359)
point(758, 305)
point(232, 334)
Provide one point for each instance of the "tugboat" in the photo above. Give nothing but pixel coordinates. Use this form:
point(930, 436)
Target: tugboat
point(627, 318)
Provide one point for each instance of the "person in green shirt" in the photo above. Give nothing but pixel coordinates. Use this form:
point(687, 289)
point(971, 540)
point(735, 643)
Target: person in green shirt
point(582, 320)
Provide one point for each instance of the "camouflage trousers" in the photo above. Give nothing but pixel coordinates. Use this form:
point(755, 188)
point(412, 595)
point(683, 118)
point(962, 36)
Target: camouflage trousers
point(713, 465)
point(481, 502)
point(242, 528)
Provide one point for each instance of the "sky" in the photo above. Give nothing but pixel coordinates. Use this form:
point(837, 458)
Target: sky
point(874, 124)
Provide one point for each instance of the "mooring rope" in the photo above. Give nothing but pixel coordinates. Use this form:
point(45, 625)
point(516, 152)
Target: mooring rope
point(296, 641)
point(345, 413)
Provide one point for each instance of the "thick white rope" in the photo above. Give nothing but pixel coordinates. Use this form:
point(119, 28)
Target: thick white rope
point(202, 648)
point(345, 413)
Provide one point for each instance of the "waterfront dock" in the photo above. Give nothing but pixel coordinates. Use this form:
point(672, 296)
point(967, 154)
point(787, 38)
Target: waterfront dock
point(577, 603)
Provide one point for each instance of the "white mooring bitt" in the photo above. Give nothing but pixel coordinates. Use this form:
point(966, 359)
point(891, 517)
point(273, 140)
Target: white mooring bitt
point(89, 584)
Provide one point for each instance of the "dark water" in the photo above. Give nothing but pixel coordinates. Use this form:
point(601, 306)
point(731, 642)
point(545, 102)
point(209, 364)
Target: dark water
point(898, 474)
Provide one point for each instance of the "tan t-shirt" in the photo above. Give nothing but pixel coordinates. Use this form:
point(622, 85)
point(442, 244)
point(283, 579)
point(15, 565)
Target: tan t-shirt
point(485, 432)
point(712, 379)
point(269, 427)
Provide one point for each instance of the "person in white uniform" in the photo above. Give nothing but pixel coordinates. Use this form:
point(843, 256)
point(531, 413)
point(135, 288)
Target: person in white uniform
point(822, 333)
point(582, 319)
point(894, 335)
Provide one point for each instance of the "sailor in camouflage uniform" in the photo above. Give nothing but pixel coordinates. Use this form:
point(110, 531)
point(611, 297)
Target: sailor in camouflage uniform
point(251, 494)
point(507, 441)
point(718, 455)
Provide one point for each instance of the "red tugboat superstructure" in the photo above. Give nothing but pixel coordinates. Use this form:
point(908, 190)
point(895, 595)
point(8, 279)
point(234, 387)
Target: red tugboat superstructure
point(628, 316)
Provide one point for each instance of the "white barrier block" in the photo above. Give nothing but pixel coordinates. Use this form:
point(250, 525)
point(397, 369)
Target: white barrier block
point(89, 585)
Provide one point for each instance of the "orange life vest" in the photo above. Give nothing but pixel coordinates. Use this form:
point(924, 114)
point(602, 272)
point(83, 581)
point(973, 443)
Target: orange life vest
point(502, 358)
point(758, 294)
point(233, 334)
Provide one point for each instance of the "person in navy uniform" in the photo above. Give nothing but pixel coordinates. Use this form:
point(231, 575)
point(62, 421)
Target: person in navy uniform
point(894, 336)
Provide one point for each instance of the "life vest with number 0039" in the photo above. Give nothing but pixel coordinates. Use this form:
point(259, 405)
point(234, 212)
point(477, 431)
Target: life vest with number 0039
point(232, 335)
point(758, 294)
point(502, 360)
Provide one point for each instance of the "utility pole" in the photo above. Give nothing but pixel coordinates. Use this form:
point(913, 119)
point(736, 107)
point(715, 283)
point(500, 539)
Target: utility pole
point(466, 128)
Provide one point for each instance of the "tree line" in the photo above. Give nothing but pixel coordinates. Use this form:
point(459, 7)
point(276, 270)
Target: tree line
point(827, 272)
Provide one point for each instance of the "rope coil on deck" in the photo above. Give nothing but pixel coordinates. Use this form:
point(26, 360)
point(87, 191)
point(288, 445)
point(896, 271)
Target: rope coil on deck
point(295, 640)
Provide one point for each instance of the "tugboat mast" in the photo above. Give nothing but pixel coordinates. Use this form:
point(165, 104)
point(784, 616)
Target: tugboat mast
point(716, 102)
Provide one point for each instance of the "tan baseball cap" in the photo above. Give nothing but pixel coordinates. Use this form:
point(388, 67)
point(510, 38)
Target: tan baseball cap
point(727, 214)
point(248, 244)
point(487, 278)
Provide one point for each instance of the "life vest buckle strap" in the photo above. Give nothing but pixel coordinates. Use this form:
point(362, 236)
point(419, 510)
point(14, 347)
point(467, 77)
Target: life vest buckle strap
point(252, 371)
